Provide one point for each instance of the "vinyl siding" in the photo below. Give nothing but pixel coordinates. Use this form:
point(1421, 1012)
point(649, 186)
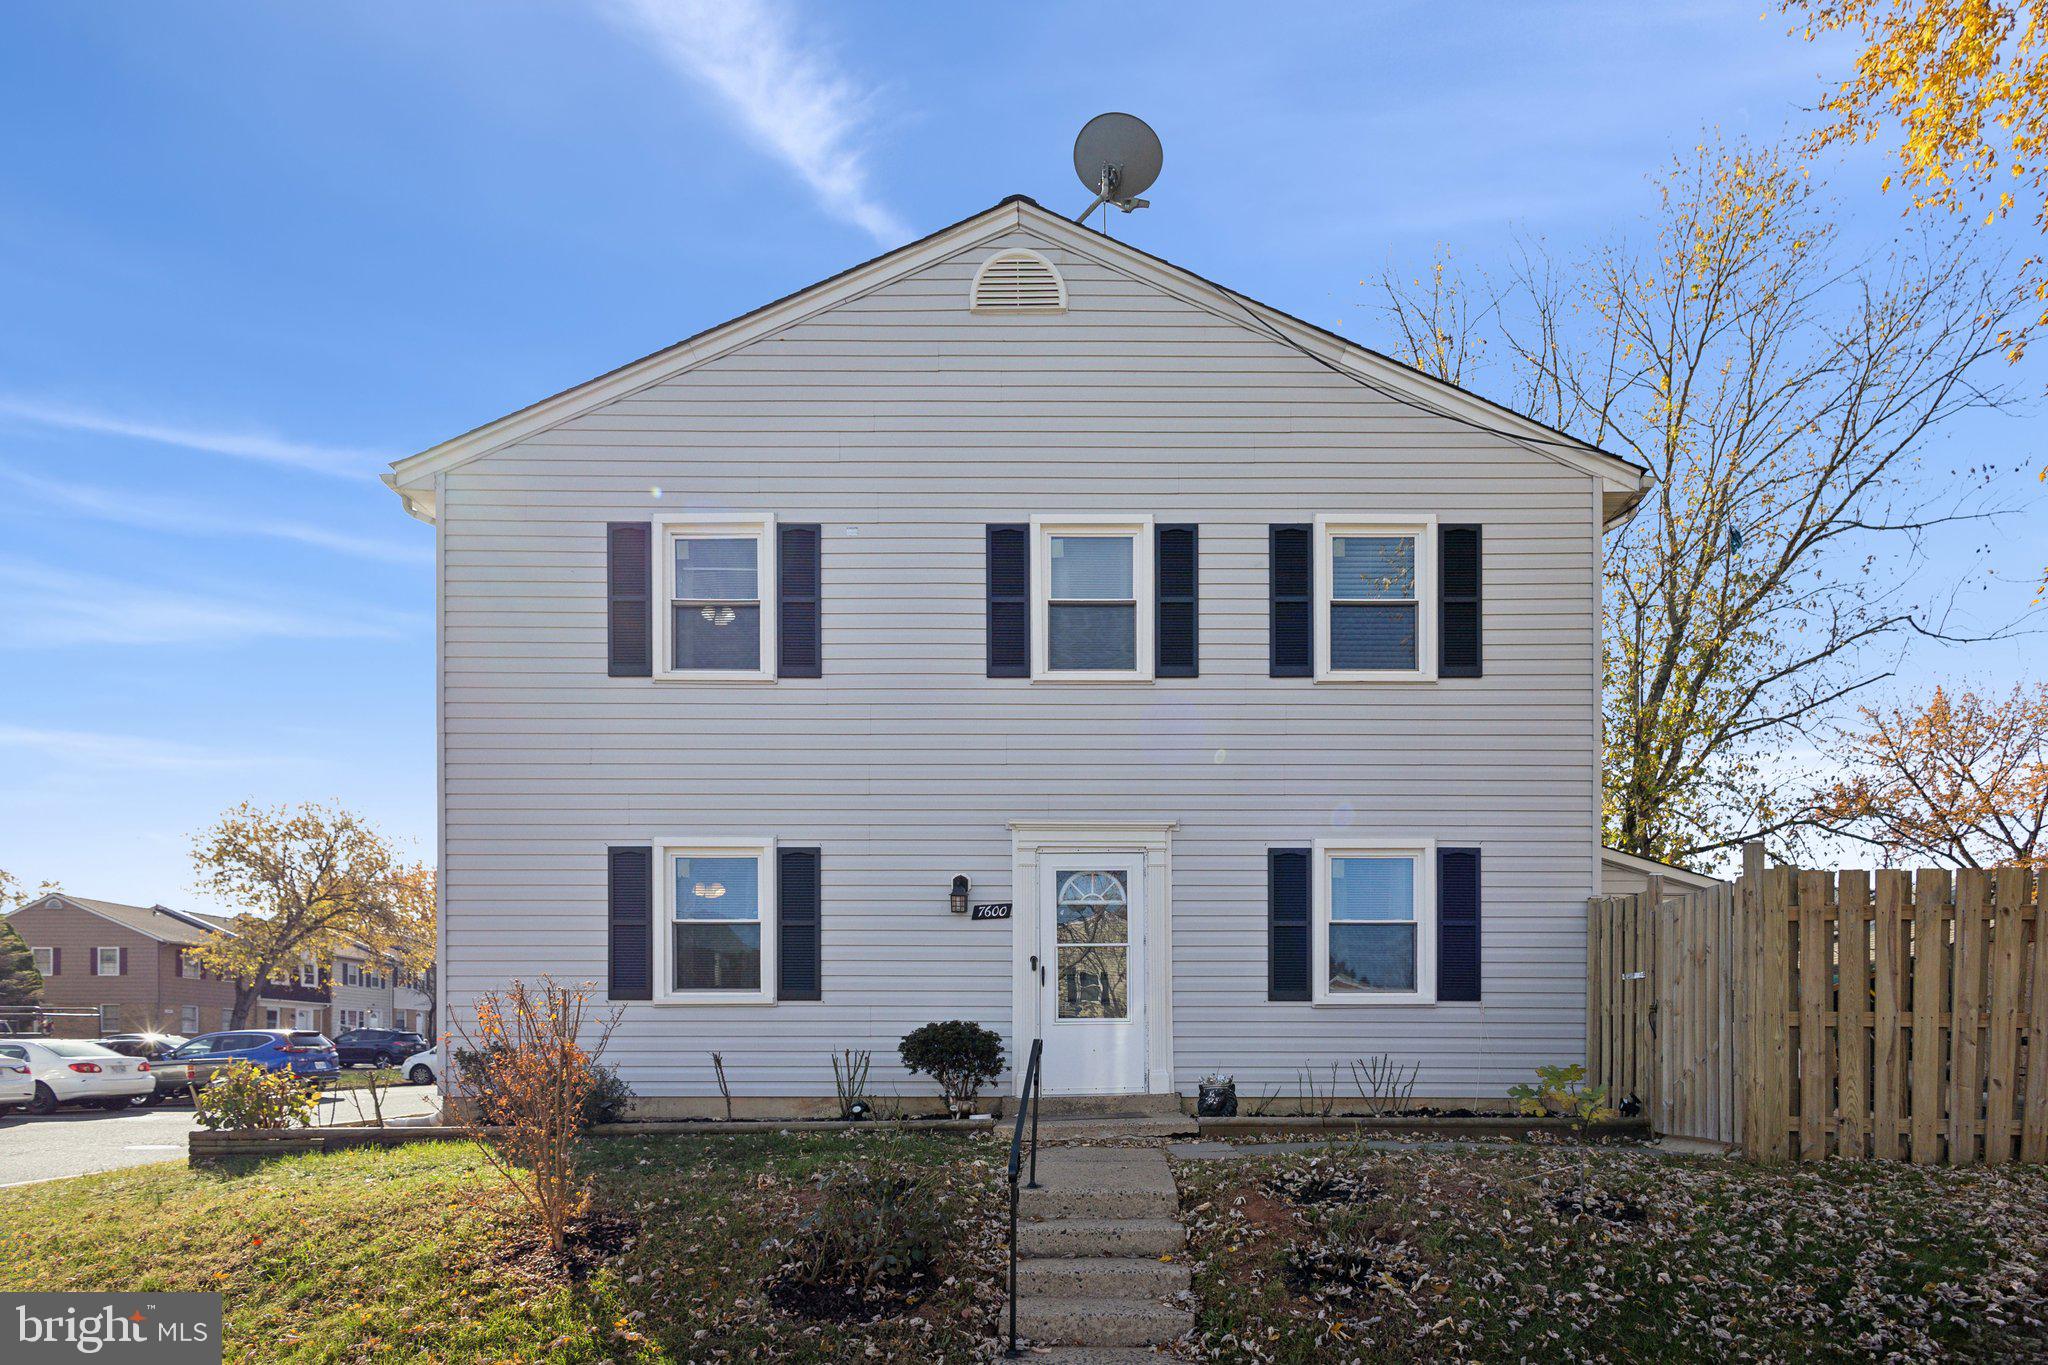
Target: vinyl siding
point(903, 424)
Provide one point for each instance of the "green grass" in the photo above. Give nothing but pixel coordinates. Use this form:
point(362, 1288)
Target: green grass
point(374, 1256)
point(1480, 1256)
point(354, 1079)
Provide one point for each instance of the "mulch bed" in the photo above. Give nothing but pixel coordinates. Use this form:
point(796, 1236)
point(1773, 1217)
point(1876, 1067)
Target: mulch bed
point(594, 1239)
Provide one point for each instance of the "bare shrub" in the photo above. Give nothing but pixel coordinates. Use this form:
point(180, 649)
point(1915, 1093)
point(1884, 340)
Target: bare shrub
point(535, 1075)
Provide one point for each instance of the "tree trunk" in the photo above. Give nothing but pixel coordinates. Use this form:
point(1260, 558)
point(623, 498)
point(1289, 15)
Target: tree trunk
point(245, 1004)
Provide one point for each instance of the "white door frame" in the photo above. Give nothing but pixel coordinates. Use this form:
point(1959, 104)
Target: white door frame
point(1149, 840)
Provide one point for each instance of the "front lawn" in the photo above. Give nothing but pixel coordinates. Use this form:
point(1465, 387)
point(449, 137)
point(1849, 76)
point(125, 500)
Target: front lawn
point(353, 1078)
point(1561, 1254)
point(402, 1254)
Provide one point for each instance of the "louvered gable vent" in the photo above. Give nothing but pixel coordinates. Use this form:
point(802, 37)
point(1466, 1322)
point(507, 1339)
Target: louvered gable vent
point(1019, 282)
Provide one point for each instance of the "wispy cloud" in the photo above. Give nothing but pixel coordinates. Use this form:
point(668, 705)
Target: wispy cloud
point(790, 99)
point(260, 446)
point(41, 606)
point(91, 749)
point(190, 518)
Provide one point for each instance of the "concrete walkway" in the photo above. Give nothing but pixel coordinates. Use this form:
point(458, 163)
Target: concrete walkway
point(1102, 1270)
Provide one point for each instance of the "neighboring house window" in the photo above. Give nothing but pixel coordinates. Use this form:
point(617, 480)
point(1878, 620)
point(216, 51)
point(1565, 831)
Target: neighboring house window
point(108, 961)
point(719, 624)
point(309, 974)
point(227, 1016)
point(1375, 923)
point(1376, 595)
point(351, 974)
point(721, 935)
point(188, 966)
point(110, 1019)
point(46, 961)
point(1091, 598)
point(188, 1020)
point(269, 1018)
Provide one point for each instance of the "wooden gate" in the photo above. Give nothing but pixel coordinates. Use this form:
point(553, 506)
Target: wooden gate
point(1662, 1014)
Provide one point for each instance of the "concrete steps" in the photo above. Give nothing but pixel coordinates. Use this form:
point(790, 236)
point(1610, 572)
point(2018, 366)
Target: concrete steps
point(1101, 1270)
point(1100, 1322)
point(1107, 1277)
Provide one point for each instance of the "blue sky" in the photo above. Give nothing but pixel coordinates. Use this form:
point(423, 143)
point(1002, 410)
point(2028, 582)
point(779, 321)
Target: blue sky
point(251, 253)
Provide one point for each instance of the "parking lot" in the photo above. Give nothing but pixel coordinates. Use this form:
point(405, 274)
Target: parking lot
point(81, 1141)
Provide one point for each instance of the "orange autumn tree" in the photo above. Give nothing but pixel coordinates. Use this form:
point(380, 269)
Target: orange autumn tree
point(1960, 780)
point(307, 880)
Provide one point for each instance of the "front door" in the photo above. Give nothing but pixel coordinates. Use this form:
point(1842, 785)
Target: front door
point(1091, 930)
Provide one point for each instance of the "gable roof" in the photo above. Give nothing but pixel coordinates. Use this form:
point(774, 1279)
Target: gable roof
point(1623, 482)
point(159, 922)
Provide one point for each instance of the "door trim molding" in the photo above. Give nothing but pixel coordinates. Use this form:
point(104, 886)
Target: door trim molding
point(1151, 840)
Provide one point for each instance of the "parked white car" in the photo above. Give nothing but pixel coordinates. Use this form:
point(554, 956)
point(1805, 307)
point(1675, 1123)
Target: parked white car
point(422, 1068)
point(17, 1084)
point(70, 1071)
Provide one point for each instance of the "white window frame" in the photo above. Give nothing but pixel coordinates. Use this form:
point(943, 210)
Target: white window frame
point(1423, 851)
point(270, 1017)
point(1329, 526)
point(309, 972)
point(730, 525)
point(46, 960)
point(666, 851)
point(188, 1019)
point(99, 961)
point(188, 966)
point(1139, 529)
point(351, 973)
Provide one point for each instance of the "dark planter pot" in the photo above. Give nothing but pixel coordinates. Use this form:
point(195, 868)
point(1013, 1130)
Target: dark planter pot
point(1217, 1101)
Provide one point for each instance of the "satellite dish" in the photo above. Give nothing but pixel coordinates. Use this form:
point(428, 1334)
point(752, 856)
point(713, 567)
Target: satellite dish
point(1117, 157)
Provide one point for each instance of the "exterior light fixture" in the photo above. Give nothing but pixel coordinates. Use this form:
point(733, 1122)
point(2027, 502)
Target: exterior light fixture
point(959, 895)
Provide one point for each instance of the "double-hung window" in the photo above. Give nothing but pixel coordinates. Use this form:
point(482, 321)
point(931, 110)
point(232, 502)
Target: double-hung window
point(1091, 598)
point(46, 961)
point(1376, 596)
point(188, 966)
point(1375, 923)
point(719, 922)
point(718, 622)
point(108, 961)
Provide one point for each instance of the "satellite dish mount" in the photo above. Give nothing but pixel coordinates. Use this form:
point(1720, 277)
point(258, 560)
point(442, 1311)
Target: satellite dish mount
point(1117, 157)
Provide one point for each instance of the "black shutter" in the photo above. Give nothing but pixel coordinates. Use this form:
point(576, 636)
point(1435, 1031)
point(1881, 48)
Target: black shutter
point(1009, 601)
point(1177, 577)
point(630, 892)
point(629, 588)
point(1457, 924)
point(1287, 927)
point(796, 613)
point(1458, 642)
point(797, 917)
point(1291, 572)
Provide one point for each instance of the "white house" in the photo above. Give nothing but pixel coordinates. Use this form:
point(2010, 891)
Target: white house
point(1248, 678)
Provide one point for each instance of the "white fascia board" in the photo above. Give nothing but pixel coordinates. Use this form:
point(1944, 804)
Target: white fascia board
point(412, 478)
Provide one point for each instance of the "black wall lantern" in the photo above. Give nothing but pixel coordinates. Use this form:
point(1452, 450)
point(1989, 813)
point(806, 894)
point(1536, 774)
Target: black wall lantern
point(959, 897)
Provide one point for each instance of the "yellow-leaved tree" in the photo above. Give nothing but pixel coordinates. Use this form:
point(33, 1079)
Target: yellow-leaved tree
point(309, 879)
point(1784, 396)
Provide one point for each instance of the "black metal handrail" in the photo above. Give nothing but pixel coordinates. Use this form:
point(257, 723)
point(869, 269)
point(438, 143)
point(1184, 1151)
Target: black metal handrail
point(1027, 1103)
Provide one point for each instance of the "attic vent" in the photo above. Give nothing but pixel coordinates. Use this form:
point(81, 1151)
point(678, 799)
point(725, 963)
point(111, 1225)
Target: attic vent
point(1019, 282)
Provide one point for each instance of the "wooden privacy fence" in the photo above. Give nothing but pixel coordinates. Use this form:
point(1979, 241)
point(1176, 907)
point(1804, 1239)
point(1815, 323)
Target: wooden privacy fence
point(1806, 1014)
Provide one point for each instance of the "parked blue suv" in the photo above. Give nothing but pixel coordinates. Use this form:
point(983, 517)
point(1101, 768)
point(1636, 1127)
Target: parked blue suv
point(305, 1054)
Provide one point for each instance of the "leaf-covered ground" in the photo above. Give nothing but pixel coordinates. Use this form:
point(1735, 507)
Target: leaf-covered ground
point(399, 1255)
point(1553, 1253)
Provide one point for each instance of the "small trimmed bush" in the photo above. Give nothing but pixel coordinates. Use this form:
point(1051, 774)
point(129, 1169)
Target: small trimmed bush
point(866, 1247)
point(960, 1055)
point(244, 1096)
